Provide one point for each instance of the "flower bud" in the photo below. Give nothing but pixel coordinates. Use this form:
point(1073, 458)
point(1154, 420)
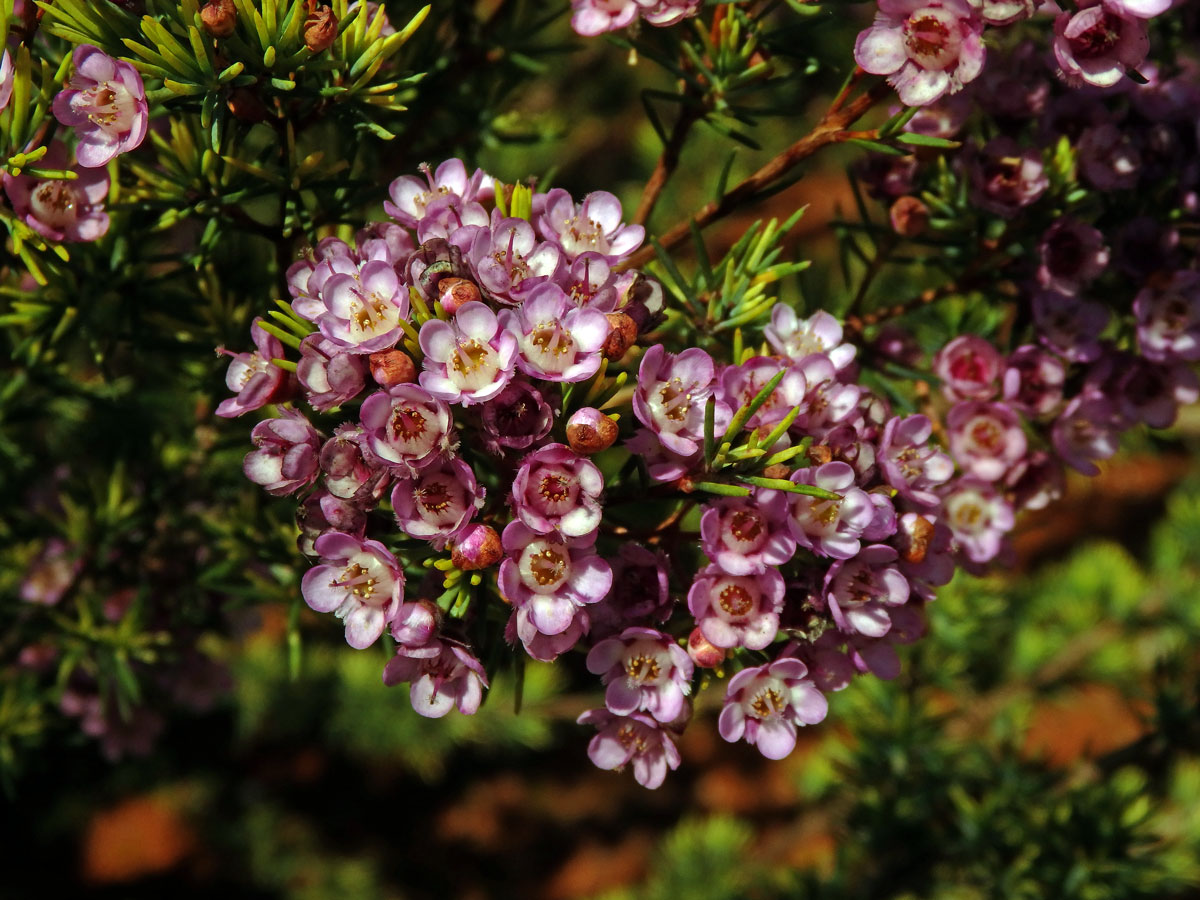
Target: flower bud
point(320, 28)
point(915, 535)
point(590, 431)
point(478, 548)
point(454, 292)
point(909, 216)
point(219, 18)
point(703, 653)
point(622, 335)
point(390, 367)
point(781, 470)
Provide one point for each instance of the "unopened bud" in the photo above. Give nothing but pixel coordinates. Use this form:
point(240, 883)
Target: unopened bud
point(819, 454)
point(779, 470)
point(915, 535)
point(590, 431)
point(320, 28)
point(478, 548)
point(454, 292)
point(389, 367)
point(910, 217)
point(703, 652)
point(219, 18)
point(417, 623)
point(622, 334)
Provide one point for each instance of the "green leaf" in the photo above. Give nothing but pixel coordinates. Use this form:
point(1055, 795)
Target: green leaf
point(926, 140)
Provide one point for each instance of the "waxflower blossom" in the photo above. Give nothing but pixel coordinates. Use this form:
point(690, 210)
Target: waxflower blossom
point(640, 592)
point(551, 576)
point(286, 456)
point(1069, 325)
point(969, 368)
point(927, 48)
point(329, 374)
point(469, 359)
point(765, 704)
point(435, 504)
point(737, 610)
point(634, 739)
point(358, 581)
point(545, 647)
point(252, 376)
point(1097, 44)
point(7, 73)
point(1168, 319)
point(669, 12)
point(510, 261)
point(1033, 380)
point(410, 197)
point(671, 394)
point(978, 516)
point(351, 470)
point(1072, 254)
point(740, 384)
point(443, 675)
point(791, 336)
point(830, 527)
point(558, 490)
point(558, 341)
point(594, 226)
point(517, 418)
point(60, 209)
point(646, 671)
point(593, 17)
point(1108, 158)
point(745, 536)
point(985, 438)
point(1005, 179)
point(105, 102)
point(364, 307)
point(910, 463)
point(861, 591)
point(408, 427)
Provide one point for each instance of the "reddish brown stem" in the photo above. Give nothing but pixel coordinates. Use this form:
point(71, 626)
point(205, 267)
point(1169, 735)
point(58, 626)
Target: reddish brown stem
point(666, 165)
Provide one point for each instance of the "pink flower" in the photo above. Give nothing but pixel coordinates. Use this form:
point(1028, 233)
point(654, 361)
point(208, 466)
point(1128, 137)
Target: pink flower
point(557, 490)
point(1068, 325)
point(737, 610)
point(910, 463)
point(969, 368)
point(1033, 380)
point(669, 12)
point(359, 581)
point(443, 675)
point(517, 418)
point(410, 196)
point(927, 47)
point(1168, 319)
point(741, 383)
point(592, 227)
point(830, 527)
point(509, 261)
point(985, 438)
point(1086, 431)
point(635, 739)
point(363, 306)
point(352, 471)
point(746, 536)
point(791, 336)
point(646, 671)
point(407, 427)
point(286, 456)
point(469, 359)
point(1097, 44)
point(558, 340)
point(1072, 255)
point(61, 210)
point(105, 102)
point(593, 17)
point(436, 503)
point(545, 647)
point(861, 591)
point(255, 379)
point(550, 576)
point(764, 704)
point(979, 517)
point(329, 374)
point(640, 592)
point(1004, 178)
point(671, 395)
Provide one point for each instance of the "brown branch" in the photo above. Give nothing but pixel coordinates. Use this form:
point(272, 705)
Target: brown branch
point(667, 163)
point(830, 130)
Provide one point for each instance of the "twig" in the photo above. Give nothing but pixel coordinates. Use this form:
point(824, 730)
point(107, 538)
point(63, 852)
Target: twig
point(667, 163)
point(830, 130)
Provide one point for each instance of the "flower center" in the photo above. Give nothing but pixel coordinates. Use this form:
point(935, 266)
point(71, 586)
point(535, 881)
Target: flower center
point(768, 702)
point(932, 38)
point(112, 110)
point(473, 365)
point(734, 600)
point(1098, 40)
point(643, 668)
point(56, 203)
point(407, 424)
point(544, 566)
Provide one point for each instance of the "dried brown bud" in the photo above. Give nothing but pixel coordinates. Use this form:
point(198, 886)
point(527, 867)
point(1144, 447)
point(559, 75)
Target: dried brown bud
point(389, 367)
point(820, 454)
point(320, 28)
point(478, 548)
point(454, 292)
point(219, 17)
point(621, 336)
point(702, 651)
point(915, 537)
point(590, 431)
point(779, 470)
point(246, 105)
point(910, 217)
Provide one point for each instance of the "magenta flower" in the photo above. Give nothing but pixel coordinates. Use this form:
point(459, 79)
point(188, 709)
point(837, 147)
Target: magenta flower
point(359, 581)
point(670, 12)
point(408, 427)
point(985, 438)
point(737, 610)
point(796, 338)
point(927, 47)
point(7, 74)
point(252, 376)
point(1072, 255)
point(969, 368)
point(1109, 158)
point(436, 503)
point(635, 739)
point(764, 704)
point(329, 374)
point(105, 102)
point(286, 456)
point(51, 573)
point(979, 517)
point(410, 196)
point(740, 384)
point(545, 647)
point(553, 578)
point(469, 359)
point(640, 592)
point(594, 226)
point(558, 490)
point(363, 307)
point(509, 262)
point(1036, 481)
point(830, 527)
point(1070, 326)
point(1097, 44)
point(308, 275)
point(352, 471)
point(1033, 380)
point(443, 675)
point(593, 17)
point(828, 401)
point(559, 341)
point(672, 391)
point(1005, 179)
point(57, 209)
point(1168, 319)
point(1086, 431)
point(646, 671)
point(861, 591)
point(910, 463)
point(1151, 393)
point(517, 418)
point(321, 513)
point(743, 537)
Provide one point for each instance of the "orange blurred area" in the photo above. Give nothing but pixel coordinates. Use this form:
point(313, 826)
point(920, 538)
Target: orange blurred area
point(137, 837)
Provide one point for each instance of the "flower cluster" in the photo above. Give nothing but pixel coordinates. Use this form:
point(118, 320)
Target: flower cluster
point(592, 17)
